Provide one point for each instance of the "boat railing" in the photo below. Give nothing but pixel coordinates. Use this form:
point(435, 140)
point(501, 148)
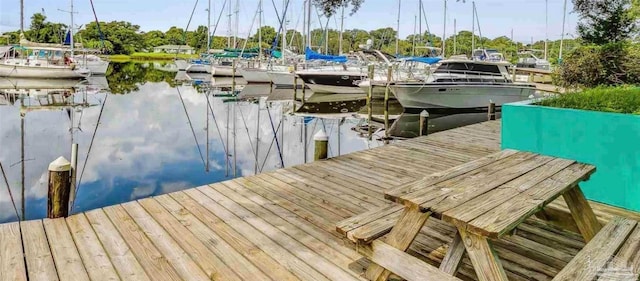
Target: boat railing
point(471, 75)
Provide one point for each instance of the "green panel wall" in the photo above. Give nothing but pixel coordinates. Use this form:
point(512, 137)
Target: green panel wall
point(610, 141)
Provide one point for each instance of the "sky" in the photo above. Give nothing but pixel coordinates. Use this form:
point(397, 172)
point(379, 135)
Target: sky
point(496, 17)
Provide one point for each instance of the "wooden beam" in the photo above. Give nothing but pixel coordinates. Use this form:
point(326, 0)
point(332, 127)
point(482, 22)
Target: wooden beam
point(401, 236)
point(401, 263)
point(582, 213)
point(484, 259)
point(454, 255)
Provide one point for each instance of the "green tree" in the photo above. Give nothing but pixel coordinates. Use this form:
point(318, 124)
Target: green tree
point(330, 6)
point(42, 31)
point(175, 36)
point(604, 21)
point(198, 38)
point(154, 38)
point(268, 36)
point(124, 36)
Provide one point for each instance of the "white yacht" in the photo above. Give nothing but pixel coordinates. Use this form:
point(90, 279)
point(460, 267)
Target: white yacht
point(458, 86)
point(40, 62)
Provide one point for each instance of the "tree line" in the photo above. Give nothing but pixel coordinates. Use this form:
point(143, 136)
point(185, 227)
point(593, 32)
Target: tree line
point(121, 37)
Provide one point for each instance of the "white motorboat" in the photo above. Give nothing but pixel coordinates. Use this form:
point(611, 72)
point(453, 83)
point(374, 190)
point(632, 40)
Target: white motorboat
point(261, 74)
point(223, 70)
point(462, 86)
point(40, 62)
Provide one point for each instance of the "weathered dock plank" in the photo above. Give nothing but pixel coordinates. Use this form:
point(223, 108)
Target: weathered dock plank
point(11, 262)
point(279, 225)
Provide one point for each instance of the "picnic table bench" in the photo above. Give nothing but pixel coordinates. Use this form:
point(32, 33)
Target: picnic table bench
point(484, 199)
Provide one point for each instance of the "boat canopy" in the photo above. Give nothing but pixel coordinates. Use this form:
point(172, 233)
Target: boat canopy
point(311, 55)
point(276, 54)
point(235, 50)
point(427, 60)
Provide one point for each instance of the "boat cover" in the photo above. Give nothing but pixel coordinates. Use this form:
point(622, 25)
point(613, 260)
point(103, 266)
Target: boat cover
point(311, 55)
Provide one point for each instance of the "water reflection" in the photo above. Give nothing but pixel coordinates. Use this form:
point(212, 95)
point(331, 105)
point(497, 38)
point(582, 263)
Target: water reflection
point(142, 133)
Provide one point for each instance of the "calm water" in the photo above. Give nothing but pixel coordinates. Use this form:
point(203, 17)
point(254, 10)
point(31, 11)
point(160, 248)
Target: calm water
point(151, 137)
point(145, 131)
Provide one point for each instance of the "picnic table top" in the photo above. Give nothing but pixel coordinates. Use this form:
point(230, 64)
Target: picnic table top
point(492, 195)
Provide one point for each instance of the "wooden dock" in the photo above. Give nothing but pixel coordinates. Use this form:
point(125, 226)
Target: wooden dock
point(274, 226)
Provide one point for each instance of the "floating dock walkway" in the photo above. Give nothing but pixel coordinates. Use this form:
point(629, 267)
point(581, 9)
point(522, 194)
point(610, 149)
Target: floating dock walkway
point(278, 225)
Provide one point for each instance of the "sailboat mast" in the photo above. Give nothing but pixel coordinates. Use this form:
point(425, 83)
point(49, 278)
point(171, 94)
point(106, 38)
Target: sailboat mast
point(21, 15)
point(420, 21)
point(284, 31)
point(413, 49)
point(398, 27)
point(444, 30)
point(71, 30)
point(229, 32)
point(546, 28)
point(341, 29)
point(260, 32)
point(208, 28)
point(473, 27)
point(309, 23)
point(237, 22)
point(455, 37)
point(564, 15)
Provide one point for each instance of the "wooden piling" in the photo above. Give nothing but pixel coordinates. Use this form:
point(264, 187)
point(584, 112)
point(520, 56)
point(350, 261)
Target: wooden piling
point(369, 98)
point(74, 171)
point(424, 123)
point(386, 101)
point(59, 188)
point(295, 83)
point(514, 74)
point(491, 114)
point(233, 77)
point(321, 145)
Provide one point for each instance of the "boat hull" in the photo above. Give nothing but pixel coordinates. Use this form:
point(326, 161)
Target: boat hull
point(33, 83)
point(332, 82)
point(458, 98)
point(282, 79)
point(198, 68)
point(255, 75)
point(97, 67)
point(17, 71)
point(223, 71)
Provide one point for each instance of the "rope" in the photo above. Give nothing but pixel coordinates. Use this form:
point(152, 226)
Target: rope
point(184, 34)
point(10, 194)
point(98, 23)
point(275, 135)
point(213, 115)
point(86, 159)
point(270, 146)
point(191, 126)
point(246, 127)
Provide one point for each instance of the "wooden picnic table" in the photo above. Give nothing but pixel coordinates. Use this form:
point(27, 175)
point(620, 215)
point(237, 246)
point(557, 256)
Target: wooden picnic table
point(486, 199)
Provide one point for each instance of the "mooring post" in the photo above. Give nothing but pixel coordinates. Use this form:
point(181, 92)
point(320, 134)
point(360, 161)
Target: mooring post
point(369, 99)
point(321, 143)
point(514, 74)
point(59, 188)
point(74, 170)
point(304, 92)
point(295, 83)
point(386, 101)
point(491, 115)
point(424, 123)
point(233, 77)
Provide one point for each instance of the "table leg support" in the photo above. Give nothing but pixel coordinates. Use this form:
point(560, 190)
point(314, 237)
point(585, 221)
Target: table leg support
point(401, 236)
point(452, 259)
point(484, 259)
point(582, 213)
